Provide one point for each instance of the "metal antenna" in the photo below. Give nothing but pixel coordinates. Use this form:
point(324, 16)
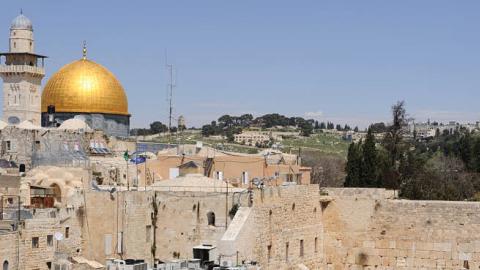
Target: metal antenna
point(170, 85)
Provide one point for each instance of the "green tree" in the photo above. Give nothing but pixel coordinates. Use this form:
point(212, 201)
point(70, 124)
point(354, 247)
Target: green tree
point(394, 145)
point(476, 154)
point(353, 166)
point(369, 161)
point(158, 127)
point(306, 129)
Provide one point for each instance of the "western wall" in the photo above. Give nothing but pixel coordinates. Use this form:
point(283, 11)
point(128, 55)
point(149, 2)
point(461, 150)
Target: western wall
point(286, 227)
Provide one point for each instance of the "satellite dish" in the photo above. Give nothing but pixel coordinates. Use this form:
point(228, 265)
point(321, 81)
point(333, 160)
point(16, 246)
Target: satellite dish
point(58, 236)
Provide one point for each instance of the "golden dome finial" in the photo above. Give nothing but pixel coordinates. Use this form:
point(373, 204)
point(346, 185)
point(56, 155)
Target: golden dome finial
point(84, 50)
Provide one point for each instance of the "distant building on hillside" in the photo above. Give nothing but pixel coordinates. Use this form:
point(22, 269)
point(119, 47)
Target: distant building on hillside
point(430, 129)
point(251, 138)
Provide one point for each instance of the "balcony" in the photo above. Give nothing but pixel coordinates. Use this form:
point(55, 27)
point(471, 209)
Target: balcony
point(22, 69)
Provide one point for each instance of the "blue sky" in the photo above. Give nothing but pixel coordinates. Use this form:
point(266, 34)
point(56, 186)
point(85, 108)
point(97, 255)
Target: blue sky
point(344, 61)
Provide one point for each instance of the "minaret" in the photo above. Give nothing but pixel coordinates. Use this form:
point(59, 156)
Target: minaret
point(22, 75)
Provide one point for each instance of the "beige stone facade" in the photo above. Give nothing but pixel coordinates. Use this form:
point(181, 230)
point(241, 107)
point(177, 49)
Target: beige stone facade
point(290, 227)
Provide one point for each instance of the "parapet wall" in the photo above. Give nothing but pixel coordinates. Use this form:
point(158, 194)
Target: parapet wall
point(371, 229)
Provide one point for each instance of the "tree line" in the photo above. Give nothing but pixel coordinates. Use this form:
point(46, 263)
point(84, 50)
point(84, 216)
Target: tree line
point(446, 167)
point(228, 125)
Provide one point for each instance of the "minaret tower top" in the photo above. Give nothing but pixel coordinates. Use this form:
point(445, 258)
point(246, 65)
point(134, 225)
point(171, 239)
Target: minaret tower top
point(21, 35)
point(22, 72)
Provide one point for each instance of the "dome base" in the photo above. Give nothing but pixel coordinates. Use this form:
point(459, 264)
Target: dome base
point(111, 124)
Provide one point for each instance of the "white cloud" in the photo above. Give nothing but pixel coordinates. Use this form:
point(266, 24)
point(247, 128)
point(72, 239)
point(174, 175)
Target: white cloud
point(314, 115)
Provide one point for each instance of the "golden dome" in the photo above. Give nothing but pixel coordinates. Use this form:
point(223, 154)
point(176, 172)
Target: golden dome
point(84, 86)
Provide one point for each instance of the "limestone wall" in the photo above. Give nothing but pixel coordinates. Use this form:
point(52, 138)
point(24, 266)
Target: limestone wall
point(366, 228)
point(287, 218)
point(183, 221)
point(107, 215)
point(8, 250)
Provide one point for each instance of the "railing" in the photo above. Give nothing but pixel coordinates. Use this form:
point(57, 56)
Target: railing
point(21, 69)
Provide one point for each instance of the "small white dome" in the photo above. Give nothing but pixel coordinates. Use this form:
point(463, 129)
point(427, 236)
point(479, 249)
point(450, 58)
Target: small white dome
point(75, 124)
point(22, 22)
point(28, 125)
point(2, 125)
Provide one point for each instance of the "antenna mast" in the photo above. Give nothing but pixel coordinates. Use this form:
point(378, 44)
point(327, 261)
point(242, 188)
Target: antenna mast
point(170, 87)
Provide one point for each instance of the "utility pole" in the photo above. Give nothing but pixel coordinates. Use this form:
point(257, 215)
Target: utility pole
point(226, 207)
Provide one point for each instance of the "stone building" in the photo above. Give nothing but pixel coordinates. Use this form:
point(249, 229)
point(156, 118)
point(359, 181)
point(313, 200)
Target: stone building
point(267, 168)
point(22, 74)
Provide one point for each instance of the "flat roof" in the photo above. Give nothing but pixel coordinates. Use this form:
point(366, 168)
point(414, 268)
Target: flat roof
point(205, 247)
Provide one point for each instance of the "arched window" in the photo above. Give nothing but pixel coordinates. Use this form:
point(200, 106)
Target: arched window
point(211, 218)
point(14, 45)
point(5, 265)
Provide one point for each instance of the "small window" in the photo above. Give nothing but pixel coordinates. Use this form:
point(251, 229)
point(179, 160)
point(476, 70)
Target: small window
point(37, 145)
point(50, 240)
point(9, 145)
point(149, 233)
point(316, 244)
point(14, 45)
point(5, 265)
point(34, 242)
point(301, 248)
point(67, 232)
point(211, 218)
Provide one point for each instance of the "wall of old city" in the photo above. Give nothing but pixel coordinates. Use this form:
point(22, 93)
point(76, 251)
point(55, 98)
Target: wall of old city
point(288, 227)
point(368, 228)
point(183, 220)
point(109, 214)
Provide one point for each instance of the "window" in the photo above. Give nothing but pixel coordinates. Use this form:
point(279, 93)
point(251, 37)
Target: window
point(37, 145)
point(14, 45)
point(67, 232)
point(301, 248)
point(34, 242)
point(245, 179)
point(149, 233)
point(211, 218)
point(286, 251)
point(5, 265)
point(49, 265)
point(316, 244)
point(50, 240)
point(9, 145)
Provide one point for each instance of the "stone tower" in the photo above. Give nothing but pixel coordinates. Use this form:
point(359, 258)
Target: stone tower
point(22, 74)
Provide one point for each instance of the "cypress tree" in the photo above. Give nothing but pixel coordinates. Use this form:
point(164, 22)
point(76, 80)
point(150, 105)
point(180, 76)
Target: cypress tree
point(353, 167)
point(369, 164)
